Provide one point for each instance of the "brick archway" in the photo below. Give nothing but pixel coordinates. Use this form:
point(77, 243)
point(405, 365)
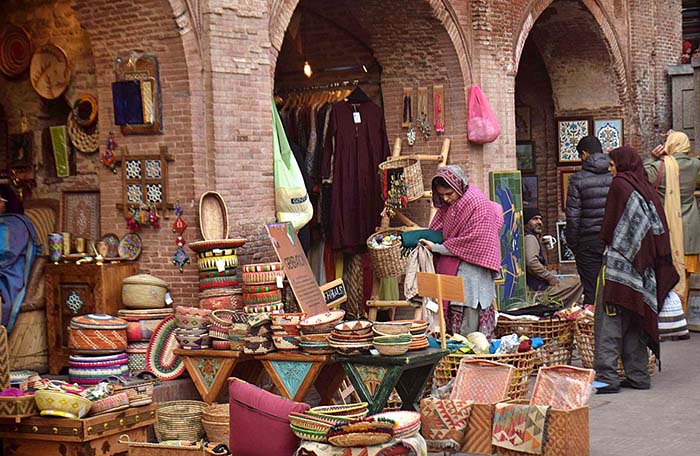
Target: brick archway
point(601, 18)
point(282, 10)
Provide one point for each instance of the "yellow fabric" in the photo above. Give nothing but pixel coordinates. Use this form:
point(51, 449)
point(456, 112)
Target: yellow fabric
point(677, 142)
point(672, 208)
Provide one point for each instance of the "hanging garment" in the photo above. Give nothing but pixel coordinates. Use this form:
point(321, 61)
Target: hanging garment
point(355, 145)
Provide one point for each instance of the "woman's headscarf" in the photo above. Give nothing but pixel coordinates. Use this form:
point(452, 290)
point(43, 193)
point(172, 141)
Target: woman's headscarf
point(455, 177)
point(677, 142)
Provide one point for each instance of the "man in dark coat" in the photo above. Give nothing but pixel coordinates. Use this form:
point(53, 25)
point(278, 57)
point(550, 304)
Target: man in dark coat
point(585, 207)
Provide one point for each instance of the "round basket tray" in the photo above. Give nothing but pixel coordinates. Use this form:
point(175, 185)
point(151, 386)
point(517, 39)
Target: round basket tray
point(523, 362)
point(388, 261)
point(557, 335)
point(412, 173)
point(213, 216)
point(584, 337)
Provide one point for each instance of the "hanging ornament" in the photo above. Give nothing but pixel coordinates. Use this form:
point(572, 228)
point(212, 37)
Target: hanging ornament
point(154, 217)
point(411, 136)
point(180, 258)
point(108, 157)
point(131, 223)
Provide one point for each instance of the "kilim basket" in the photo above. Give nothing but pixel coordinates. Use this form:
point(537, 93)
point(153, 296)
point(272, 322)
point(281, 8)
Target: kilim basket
point(523, 362)
point(180, 420)
point(584, 338)
point(557, 334)
point(412, 173)
point(387, 261)
point(568, 434)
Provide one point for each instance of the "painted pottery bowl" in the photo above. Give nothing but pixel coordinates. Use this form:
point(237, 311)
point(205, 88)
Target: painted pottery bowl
point(58, 403)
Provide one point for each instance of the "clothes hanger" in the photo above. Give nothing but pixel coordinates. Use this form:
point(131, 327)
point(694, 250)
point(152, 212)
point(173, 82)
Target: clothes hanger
point(357, 96)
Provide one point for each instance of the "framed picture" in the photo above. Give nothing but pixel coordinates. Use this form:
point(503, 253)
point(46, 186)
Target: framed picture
point(564, 252)
point(569, 132)
point(526, 157)
point(21, 150)
point(564, 177)
point(609, 133)
point(523, 128)
point(81, 213)
point(530, 191)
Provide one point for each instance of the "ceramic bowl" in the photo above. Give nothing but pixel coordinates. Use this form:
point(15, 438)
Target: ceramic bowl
point(393, 327)
point(321, 323)
point(58, 403)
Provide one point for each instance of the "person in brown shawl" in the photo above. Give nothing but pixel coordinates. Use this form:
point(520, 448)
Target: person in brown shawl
point(638, 274)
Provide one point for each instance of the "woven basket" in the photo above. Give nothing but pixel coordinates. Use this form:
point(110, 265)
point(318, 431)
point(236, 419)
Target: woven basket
point(144, 291)
point(557, 334)
point(523, 362)
point(584, 337)
point(159, 449)
point(216, 432)
point(4, 360)
point(216, 413)
point(180, 420)
point(387, 262)
point(16, 407)
point(412, 172)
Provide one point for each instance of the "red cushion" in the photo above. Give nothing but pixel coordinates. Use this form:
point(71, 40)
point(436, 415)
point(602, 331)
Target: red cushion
point(259, 423)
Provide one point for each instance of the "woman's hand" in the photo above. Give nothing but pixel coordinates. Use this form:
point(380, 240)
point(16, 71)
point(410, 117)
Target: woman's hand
point(427, 243)
point(658, 152)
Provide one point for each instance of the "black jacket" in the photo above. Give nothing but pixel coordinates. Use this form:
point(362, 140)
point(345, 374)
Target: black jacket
point(585, 201)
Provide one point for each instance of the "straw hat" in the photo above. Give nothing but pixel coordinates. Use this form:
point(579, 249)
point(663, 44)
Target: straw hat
point(84, 139)
point(85, 110)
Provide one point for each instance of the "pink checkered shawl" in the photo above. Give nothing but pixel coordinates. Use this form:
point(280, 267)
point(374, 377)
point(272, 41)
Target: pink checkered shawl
point(470, 226)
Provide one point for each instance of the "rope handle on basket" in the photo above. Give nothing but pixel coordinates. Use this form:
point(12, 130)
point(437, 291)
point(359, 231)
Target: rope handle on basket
point(124, 439)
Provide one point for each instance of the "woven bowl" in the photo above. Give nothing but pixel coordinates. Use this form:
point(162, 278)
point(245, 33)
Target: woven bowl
point(193, 342)
point(285, 342)
point(58, 403)
point(356, 327)
point(392, 350)
point(321, 323)
point(287, 318)
point(322, 337)
point(393, 327)
point(191, 321)
point(188, 310)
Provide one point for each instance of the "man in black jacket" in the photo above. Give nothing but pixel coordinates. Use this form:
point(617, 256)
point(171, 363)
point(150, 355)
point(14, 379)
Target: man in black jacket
point(585, 207)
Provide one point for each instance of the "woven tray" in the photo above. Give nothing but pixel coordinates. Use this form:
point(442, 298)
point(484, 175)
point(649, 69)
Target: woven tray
point(213, 216)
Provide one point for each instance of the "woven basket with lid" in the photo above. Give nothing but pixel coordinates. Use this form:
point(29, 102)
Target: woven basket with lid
point(144, 291)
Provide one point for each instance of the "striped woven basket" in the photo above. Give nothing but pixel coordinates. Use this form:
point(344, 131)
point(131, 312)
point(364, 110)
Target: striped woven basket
point(264, 308)
point(264, 297)
point(211, 274)
point(217, 263)
point(218, 282)
point(97, 339)
point(180, 420)
point(262, 278)
point(263, 267)
point(213, 253)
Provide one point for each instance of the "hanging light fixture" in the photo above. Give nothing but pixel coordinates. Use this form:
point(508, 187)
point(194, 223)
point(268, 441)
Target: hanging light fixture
point(307, 69)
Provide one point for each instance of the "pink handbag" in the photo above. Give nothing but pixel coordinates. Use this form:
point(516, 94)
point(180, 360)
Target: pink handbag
point(482, 124)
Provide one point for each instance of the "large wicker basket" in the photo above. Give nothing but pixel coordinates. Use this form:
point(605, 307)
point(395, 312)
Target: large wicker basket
point(388, 261)
point(523, 363)
point(215, 419)
point(180, 420)
point(557, 334)
point(584, 336)
point(412, 174)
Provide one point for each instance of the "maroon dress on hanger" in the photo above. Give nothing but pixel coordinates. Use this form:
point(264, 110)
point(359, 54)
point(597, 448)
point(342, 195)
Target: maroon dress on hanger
point(352, 154)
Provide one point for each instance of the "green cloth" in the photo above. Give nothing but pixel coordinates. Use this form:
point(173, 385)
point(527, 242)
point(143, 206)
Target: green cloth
point(389, 289)
point(59, 141)
point(409, 239)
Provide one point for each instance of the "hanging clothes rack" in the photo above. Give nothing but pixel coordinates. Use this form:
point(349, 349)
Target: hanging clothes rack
point(329, 86)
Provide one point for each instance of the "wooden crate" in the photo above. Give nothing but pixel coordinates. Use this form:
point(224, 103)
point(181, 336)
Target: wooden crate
point(96, 436)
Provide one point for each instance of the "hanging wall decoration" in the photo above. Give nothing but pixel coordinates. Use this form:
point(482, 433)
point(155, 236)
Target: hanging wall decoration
point(422, 112)
point(136, 94)
point(144, 188)
point(181, 258)
point(609, 133)
point(570, 131)
point(107, 157)
point(15, 50)
point(439, 108)
point(50, 71)
point(59, 141)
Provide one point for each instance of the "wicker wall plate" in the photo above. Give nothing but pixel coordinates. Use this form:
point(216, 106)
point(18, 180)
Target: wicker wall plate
point(15, 50)
point(50, 71)
point(160, 359)
point(213, 216)
point(84, 139)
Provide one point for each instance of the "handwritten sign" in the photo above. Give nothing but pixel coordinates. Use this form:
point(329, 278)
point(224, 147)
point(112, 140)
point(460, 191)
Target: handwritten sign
point(334, 293)
point(296, 267)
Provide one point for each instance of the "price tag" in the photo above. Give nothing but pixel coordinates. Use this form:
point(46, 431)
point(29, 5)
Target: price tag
point(279, 282)
point(373, 352)
point(168, 298)
point(220, 265)
point(356, 118)
point(431, 305)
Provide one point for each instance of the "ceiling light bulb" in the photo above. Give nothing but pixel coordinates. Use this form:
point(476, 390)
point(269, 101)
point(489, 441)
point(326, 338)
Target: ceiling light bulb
point(364, 68)
point(307, 69)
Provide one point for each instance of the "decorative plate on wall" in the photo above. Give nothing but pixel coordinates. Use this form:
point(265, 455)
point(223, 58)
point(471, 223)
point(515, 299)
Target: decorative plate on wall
point(50, 71)
point(15, 50)
point(130, 246)
point(112, 241)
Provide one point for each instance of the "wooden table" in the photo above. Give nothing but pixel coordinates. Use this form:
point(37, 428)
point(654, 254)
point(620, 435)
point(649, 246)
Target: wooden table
point(96, 435)
point(209, 369)
point(374, 377)
point(294, 373)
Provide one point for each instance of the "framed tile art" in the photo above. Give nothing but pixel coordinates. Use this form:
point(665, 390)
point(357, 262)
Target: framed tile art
point(506, 189)
point(565, 255)
point(569, 133)
point(564, 177)
point(609, 132)
point(523, 125)
point(524, 152)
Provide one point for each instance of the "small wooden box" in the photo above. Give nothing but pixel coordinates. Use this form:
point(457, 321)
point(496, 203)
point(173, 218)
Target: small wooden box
point(95, 436)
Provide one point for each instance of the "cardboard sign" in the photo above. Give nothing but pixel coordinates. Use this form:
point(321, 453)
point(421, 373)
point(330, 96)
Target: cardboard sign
point(296, 267)
point(334, 293)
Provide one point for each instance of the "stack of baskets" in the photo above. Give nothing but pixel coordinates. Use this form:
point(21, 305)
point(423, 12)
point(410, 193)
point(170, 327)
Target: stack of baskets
point(262, 288)
point(556, 333)
point(219, 283)
point(523, 362)
point(144, 297)
point(584, 336)
point(98, 343)
point(180, 420)
point(215, 421)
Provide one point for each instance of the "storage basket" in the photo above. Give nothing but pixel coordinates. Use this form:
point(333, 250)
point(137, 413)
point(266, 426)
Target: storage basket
point(584, 337)
point(216, 432)
point(180, 420)
point(412, 173)
point(216, 413)
point(387, 261)
point(17, 407)
point(144, 291)
point(523, 362)
point(557, 335)
point(160, 449)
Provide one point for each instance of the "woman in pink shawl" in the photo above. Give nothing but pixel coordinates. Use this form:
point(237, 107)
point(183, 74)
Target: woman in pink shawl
point(470, 225)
